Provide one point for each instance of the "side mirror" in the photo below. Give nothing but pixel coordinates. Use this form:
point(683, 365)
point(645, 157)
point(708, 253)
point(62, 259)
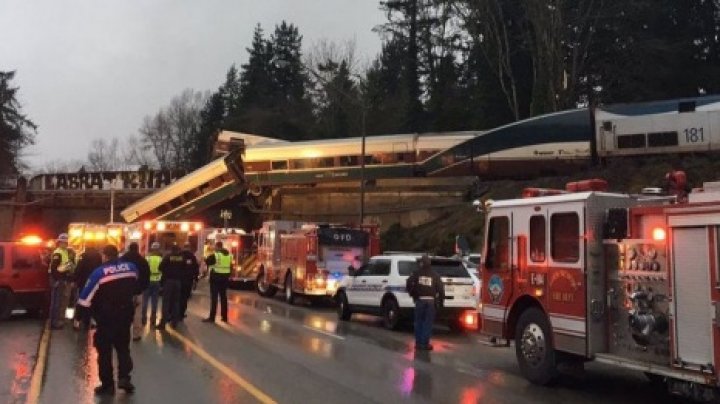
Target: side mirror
point(351, 270)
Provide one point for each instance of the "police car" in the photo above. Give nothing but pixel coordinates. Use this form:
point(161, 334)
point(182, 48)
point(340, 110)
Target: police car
point(379, 288)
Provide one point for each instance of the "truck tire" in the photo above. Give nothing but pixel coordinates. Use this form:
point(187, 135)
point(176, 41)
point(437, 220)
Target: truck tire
point(534, 347)
point(391, 313)
point(289, 293)
point(343, 308)
point(263, 288)
point(6, 304)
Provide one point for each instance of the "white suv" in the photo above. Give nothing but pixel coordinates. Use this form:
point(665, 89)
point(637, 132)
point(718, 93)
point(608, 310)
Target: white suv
point(379, 288)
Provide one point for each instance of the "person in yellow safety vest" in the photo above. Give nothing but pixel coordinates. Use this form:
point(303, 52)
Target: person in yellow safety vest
point(220, 264)
point(151, 294)
point(62, 265)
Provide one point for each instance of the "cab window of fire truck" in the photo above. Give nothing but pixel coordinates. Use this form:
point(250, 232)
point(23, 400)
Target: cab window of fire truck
point(498, 247)
point(565, 237)
point(537, 238)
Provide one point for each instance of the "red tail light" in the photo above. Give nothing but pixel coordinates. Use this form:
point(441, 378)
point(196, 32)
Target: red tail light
point(469, 320)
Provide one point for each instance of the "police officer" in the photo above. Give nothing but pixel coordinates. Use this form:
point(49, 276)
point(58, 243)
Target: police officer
point(172, 268)
point(152, 293)
point(109, 294)
point(62, 265)
point(426, 287)
point(220, 264)
point(192, 270)
point(133, 255)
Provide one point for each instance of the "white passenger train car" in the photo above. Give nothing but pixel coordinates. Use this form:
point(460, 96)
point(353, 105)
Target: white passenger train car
point(673, 126)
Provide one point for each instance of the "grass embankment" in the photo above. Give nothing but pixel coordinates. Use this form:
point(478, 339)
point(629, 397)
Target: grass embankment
point(623, 174)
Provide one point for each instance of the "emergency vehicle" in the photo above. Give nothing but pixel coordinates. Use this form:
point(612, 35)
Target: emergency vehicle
point(83, 235)
point(379, 288)
point(164, 232)
point(310, 259)
point(241, 246)
point(626, 280)
point(23, 276)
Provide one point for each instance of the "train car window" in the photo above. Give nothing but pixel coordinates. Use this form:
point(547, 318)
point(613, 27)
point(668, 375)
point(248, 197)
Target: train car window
point(660, 139)
point(302, 163)
point(348, 161)
point(565, 237)
point(498, 243)
point(279, 165)
point(686, 106)
point(537, 238)
point(634, 141)
point(326, 162)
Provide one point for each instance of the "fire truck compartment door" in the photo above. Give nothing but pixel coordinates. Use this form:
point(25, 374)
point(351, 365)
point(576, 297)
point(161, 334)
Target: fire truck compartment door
point(693, 316)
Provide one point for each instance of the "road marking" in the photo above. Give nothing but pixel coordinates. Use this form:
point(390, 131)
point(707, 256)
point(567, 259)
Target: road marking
point(249, 387)
point(39, 369)
point(329, 334)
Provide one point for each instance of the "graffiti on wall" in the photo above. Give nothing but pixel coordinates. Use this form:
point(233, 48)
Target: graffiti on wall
point(118, 180)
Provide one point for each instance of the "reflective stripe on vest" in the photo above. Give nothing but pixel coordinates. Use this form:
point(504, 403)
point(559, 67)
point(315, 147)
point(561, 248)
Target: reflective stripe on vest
point(64, 256)
point(222, 263)
point(64, 259)
point(154, 263)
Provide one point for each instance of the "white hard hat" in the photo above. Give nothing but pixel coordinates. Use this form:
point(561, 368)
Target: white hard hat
point(155, 245)
point(63, 237)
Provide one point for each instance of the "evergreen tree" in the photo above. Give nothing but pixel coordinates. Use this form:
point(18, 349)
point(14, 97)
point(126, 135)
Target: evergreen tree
point(16, 130)
point(384, 92)
point(339, 103)
point(211, 120)
point(272, 100)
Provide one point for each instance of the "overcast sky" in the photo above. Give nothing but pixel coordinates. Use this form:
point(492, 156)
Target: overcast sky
point(88, 69)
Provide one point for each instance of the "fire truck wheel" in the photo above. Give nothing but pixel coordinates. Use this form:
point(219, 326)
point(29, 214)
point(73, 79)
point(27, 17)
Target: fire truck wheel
point(343, 309)
point(6, 304)
point(534, 347)
point(263, 288)
point(289, 294)
point(391, 314)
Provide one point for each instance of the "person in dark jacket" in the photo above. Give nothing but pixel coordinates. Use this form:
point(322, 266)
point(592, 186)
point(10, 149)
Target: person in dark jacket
point(172, 268)
point(426, 287)
point(220, 267)
point(192, 270)
point(109, 294)
point(133, 255)
point(89, 260)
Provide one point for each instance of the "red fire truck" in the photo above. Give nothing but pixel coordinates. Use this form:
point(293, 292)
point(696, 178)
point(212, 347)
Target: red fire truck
point(631, 281)
point(310, 259)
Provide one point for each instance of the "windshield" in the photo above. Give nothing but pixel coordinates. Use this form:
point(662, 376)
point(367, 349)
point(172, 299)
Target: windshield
point(26, 257)
point(445, 268)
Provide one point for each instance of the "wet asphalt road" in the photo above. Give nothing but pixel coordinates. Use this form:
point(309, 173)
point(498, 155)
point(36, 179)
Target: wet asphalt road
point(19, 339)
point(270, 350)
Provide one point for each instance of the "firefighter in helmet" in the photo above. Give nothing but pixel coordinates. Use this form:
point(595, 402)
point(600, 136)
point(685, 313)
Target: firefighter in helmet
point(62, 266)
